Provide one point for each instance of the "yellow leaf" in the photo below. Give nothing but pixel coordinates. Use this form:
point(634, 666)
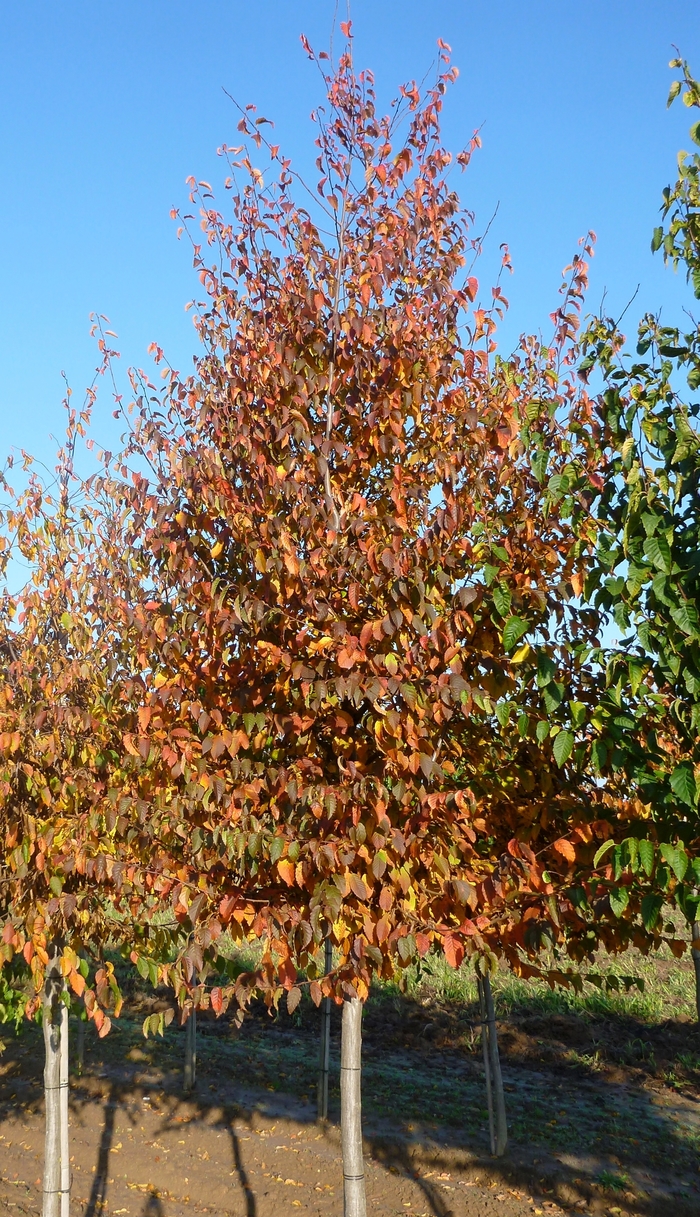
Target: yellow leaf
point(521, 653)
point(216, 550)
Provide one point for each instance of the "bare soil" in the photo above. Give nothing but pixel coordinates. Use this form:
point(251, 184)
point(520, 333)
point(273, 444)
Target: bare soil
point(604, 1117)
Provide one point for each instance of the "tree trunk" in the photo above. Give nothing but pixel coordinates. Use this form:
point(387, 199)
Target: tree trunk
point(324, 1064)
point(63, 1095)
point(498, 1128)
point(53, 984)
point(696, 962)
point(191, 1052)
point(351, 1110)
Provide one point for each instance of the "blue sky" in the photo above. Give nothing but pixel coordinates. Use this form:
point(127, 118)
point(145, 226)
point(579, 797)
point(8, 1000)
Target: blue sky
point(108, 107)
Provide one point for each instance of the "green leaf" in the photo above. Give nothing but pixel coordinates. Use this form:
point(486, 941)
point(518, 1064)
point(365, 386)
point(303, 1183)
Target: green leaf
point(542, 730)
point(539, 464)
point(619, 899)
point(563, 746)
point(604, 849)
point(695, 133)
point(646, 855)
point(503, 712)
point(677, 859)
point(651, 907)
point(658, 551)
point(552, 696)
point(513, 631)
point(599, 755)
point(546, 669)
point(523, 725)
point(276, 848)
point(686, 618)
point(673, 92)
point(502, 599)
point(683, 783)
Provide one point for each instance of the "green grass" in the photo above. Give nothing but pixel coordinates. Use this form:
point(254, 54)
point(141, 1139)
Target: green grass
point(665, 991)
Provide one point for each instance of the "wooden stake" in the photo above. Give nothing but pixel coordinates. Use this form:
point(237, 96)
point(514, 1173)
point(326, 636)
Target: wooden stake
point(324, 1064)
point(354, 1202)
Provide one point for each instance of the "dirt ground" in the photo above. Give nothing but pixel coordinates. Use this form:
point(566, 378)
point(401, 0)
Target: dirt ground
point(604, 1117)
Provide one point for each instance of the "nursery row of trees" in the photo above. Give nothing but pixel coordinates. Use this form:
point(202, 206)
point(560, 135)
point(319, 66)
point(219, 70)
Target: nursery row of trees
point(323, 656)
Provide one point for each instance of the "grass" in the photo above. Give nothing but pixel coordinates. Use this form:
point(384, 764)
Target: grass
point(667, 989)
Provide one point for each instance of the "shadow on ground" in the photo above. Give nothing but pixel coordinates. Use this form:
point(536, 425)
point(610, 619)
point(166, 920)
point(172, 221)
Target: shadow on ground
point(602, 1110)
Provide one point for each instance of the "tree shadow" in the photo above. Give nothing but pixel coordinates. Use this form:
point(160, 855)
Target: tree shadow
point(583, 1113)
point(98, 1193)
point(153, 1206)
point(251, 1208)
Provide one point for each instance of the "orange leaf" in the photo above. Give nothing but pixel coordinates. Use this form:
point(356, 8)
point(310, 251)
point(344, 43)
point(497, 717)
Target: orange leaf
point(566, 849)
point(286, 871)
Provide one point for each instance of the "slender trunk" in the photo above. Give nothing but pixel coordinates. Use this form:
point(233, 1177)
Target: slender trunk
point(496, 1076)
point(324, 1065)
point(487, 1061)
point(53, 984)
point(191, 1052)
point(351, 1110)
point(63, 1095)
point(696, 962)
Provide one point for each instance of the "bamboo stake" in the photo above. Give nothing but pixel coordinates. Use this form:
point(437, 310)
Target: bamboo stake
point(354, 1202)
point(324, 1064)
point(191, 1052)
point(80, 1047)
point(496, 1075)
point(696, 964)
point(63, 1096)
point(53, 984)
point(487, 1061)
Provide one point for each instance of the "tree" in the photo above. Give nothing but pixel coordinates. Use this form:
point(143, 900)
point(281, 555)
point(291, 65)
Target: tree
point(57, 729)
point(648, 577)
point(364, 671)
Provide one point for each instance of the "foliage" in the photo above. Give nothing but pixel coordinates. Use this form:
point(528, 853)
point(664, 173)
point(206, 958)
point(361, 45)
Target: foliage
point(364, 678)
point(648, 571)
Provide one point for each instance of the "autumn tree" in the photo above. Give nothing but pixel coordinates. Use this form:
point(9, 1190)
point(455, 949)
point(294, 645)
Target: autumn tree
point(364, 675)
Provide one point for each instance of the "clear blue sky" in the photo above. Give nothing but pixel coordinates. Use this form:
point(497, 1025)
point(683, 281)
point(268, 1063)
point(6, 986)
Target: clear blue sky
point(108, 107)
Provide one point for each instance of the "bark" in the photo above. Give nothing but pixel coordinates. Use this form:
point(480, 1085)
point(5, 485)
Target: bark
point(324, 1064)
point(495, 1097)
point(354, 1203)
point(696, 963)
point(191, 1052)
point(63, 1096)
point(53, 985)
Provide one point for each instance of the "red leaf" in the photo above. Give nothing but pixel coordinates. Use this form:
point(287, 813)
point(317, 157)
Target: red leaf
point(454, 950)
